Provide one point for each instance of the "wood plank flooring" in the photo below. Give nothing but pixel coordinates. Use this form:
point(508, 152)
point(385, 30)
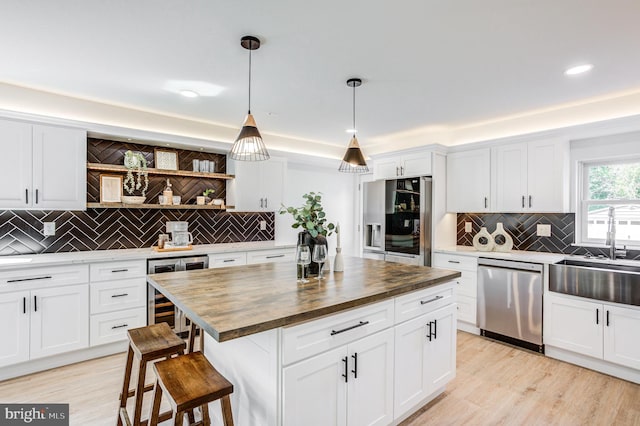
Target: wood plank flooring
point(495, 385)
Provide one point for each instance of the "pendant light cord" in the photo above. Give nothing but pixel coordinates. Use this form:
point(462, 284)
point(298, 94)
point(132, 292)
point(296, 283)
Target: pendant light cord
point(354, 110)
point(249, 107)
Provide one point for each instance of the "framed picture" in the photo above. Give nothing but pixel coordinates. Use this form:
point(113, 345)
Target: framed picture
point(110, 188)
point(166, 160)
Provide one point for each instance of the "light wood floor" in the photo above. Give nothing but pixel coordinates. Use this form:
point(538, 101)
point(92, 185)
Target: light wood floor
point(495, 385)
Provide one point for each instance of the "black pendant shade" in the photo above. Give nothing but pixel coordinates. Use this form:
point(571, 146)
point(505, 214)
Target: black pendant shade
point(248, 145)
point(353, 160)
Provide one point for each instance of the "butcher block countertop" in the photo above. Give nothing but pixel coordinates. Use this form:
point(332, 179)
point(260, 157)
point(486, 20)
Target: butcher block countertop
point(241, 300)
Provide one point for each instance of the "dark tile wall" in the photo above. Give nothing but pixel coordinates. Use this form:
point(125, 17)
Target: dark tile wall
point(104, 229)
point(522, 228)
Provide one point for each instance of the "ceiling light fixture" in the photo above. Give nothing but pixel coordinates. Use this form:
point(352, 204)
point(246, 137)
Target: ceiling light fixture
point(189, 94)
point(353, 160)
point(248, 146)
point(578, 69)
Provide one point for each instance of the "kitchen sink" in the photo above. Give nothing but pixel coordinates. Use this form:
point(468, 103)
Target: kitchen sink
point(601, 281)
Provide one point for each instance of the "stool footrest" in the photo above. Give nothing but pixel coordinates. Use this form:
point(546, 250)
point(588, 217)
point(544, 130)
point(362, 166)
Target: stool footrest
point(124, 417)
point(132, 392)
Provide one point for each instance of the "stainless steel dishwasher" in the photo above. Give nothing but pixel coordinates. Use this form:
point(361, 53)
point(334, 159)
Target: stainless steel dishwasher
point(510, 302)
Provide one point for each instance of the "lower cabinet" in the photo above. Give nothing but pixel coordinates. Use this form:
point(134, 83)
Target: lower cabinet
point(425, 357)
point(347, 385)
point(599, 330)
point(43, 322)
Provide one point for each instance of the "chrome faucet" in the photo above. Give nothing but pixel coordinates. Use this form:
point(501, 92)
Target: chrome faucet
point(611, 237)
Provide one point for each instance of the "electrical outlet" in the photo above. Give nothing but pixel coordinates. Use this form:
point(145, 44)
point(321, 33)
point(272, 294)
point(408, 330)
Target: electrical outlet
point(49, 229)
point(263, 225)
point(543, 230)
point(467, 227)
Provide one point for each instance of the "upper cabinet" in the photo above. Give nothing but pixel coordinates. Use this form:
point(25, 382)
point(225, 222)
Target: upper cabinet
point(408, 165)
point(469, 181)
point(531, 176)
point(42, 167)
point(258, 185)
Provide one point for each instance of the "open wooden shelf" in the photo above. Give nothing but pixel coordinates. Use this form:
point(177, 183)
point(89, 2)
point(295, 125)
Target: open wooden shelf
point(154, 206)
point(122, 169)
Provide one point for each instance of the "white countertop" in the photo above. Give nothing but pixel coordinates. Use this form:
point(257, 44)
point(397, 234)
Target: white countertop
point(29, 260)
point(528, 256)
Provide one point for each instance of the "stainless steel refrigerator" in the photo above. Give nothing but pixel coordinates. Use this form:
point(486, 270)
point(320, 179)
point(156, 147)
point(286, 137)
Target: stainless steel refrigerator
point(397, 220)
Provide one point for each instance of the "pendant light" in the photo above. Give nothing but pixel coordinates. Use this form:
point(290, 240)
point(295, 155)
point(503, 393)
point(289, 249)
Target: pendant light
point(353, 160)
point(248, 146)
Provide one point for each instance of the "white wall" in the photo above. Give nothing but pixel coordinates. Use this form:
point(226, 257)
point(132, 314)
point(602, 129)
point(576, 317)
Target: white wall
point(338, 199)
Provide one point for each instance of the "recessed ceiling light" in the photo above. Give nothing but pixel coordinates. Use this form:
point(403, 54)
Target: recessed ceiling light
point(578, 69)
point(199, 88)
point(189, 94)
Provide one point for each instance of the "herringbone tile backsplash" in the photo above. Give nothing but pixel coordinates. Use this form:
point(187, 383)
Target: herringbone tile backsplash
point(104, 229)
point(522, 228)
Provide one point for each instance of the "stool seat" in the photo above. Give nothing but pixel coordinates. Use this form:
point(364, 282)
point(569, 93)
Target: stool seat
point(155, 341)
point(189, 381)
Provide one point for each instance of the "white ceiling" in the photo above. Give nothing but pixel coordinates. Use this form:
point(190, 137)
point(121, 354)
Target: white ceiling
point(423, 62)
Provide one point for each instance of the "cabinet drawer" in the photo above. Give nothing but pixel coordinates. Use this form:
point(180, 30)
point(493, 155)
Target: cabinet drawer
point(108, 271)
point(423, 301)
point(53, 276)
point(467, 309)
point(313, 337)
point(467, 284)
point(117, 295)
point(113, 326)
point(455, 261)
point(271, 256)
point(220, 260)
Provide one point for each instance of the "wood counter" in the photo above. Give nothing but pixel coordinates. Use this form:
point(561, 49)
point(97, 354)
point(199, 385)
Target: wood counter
point(238, 301)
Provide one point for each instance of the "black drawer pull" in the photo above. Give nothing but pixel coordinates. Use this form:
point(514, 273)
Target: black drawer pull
point(35, 303)
point(355, 365)
point(453, 261)
point(228, 260)
point(119, 326)
point(36, 196)
point(119, 270)
point(346, 369)
point(26, 196)
point(360, 324)
point(48, 277)
point(424, 302)
point(120, 295)
point(275, 255)
point(24, 305)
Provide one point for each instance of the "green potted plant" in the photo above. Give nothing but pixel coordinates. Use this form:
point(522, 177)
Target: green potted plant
point(311, 219)
point(135, 161)
point(206, 194)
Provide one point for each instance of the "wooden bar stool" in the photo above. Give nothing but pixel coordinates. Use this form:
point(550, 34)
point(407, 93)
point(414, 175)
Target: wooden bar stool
point(190, 381)
point(150, 343)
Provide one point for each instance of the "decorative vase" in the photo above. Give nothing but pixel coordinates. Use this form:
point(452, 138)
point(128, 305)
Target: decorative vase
point(305, 238)
point(483, 241)
point(338, 263)
point(500, 234)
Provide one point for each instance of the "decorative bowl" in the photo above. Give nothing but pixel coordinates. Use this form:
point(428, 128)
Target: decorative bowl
point(129, 199)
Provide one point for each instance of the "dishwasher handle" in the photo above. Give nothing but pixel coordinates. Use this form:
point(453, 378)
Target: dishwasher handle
point(510, 264)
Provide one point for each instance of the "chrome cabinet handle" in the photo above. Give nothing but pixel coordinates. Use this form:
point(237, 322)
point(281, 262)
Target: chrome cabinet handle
point(360, 324)
point(424, 302)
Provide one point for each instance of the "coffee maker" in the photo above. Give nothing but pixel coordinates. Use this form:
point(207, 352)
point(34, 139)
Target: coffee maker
point(180, 235)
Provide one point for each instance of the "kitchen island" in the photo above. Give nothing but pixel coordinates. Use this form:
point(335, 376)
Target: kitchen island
point(366, 346)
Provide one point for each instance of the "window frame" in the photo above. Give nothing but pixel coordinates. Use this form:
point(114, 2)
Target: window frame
point(584, 202)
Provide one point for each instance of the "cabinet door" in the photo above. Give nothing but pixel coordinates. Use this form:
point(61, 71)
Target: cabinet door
point(575, 325)
point(243, 192)
point(272, 180)
point(387, 168)
point(416, 165)
point(59, 320)
point(410, 386)
point(59, 168)
point(14, 333)
point(15, 164)
point(468, 181)
point(315, 392)
point(621, 336)
point(440, 350)
point(510, 178)
point(548, 176)
point(370, 385)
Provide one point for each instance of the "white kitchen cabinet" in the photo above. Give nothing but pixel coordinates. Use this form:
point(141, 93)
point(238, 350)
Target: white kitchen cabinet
point(59, 320)
point(350, 385)
point(221, 260)
point(258, 186)
point(599, 330)
point(14, 318)
point(425, 357)
point(469, 181)
point(271, 256)
point(531, 176)
point(42, 167)
point(466, 285)
point(408, 165)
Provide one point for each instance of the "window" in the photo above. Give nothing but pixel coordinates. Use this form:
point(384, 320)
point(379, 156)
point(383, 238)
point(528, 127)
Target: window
point(606, 185)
